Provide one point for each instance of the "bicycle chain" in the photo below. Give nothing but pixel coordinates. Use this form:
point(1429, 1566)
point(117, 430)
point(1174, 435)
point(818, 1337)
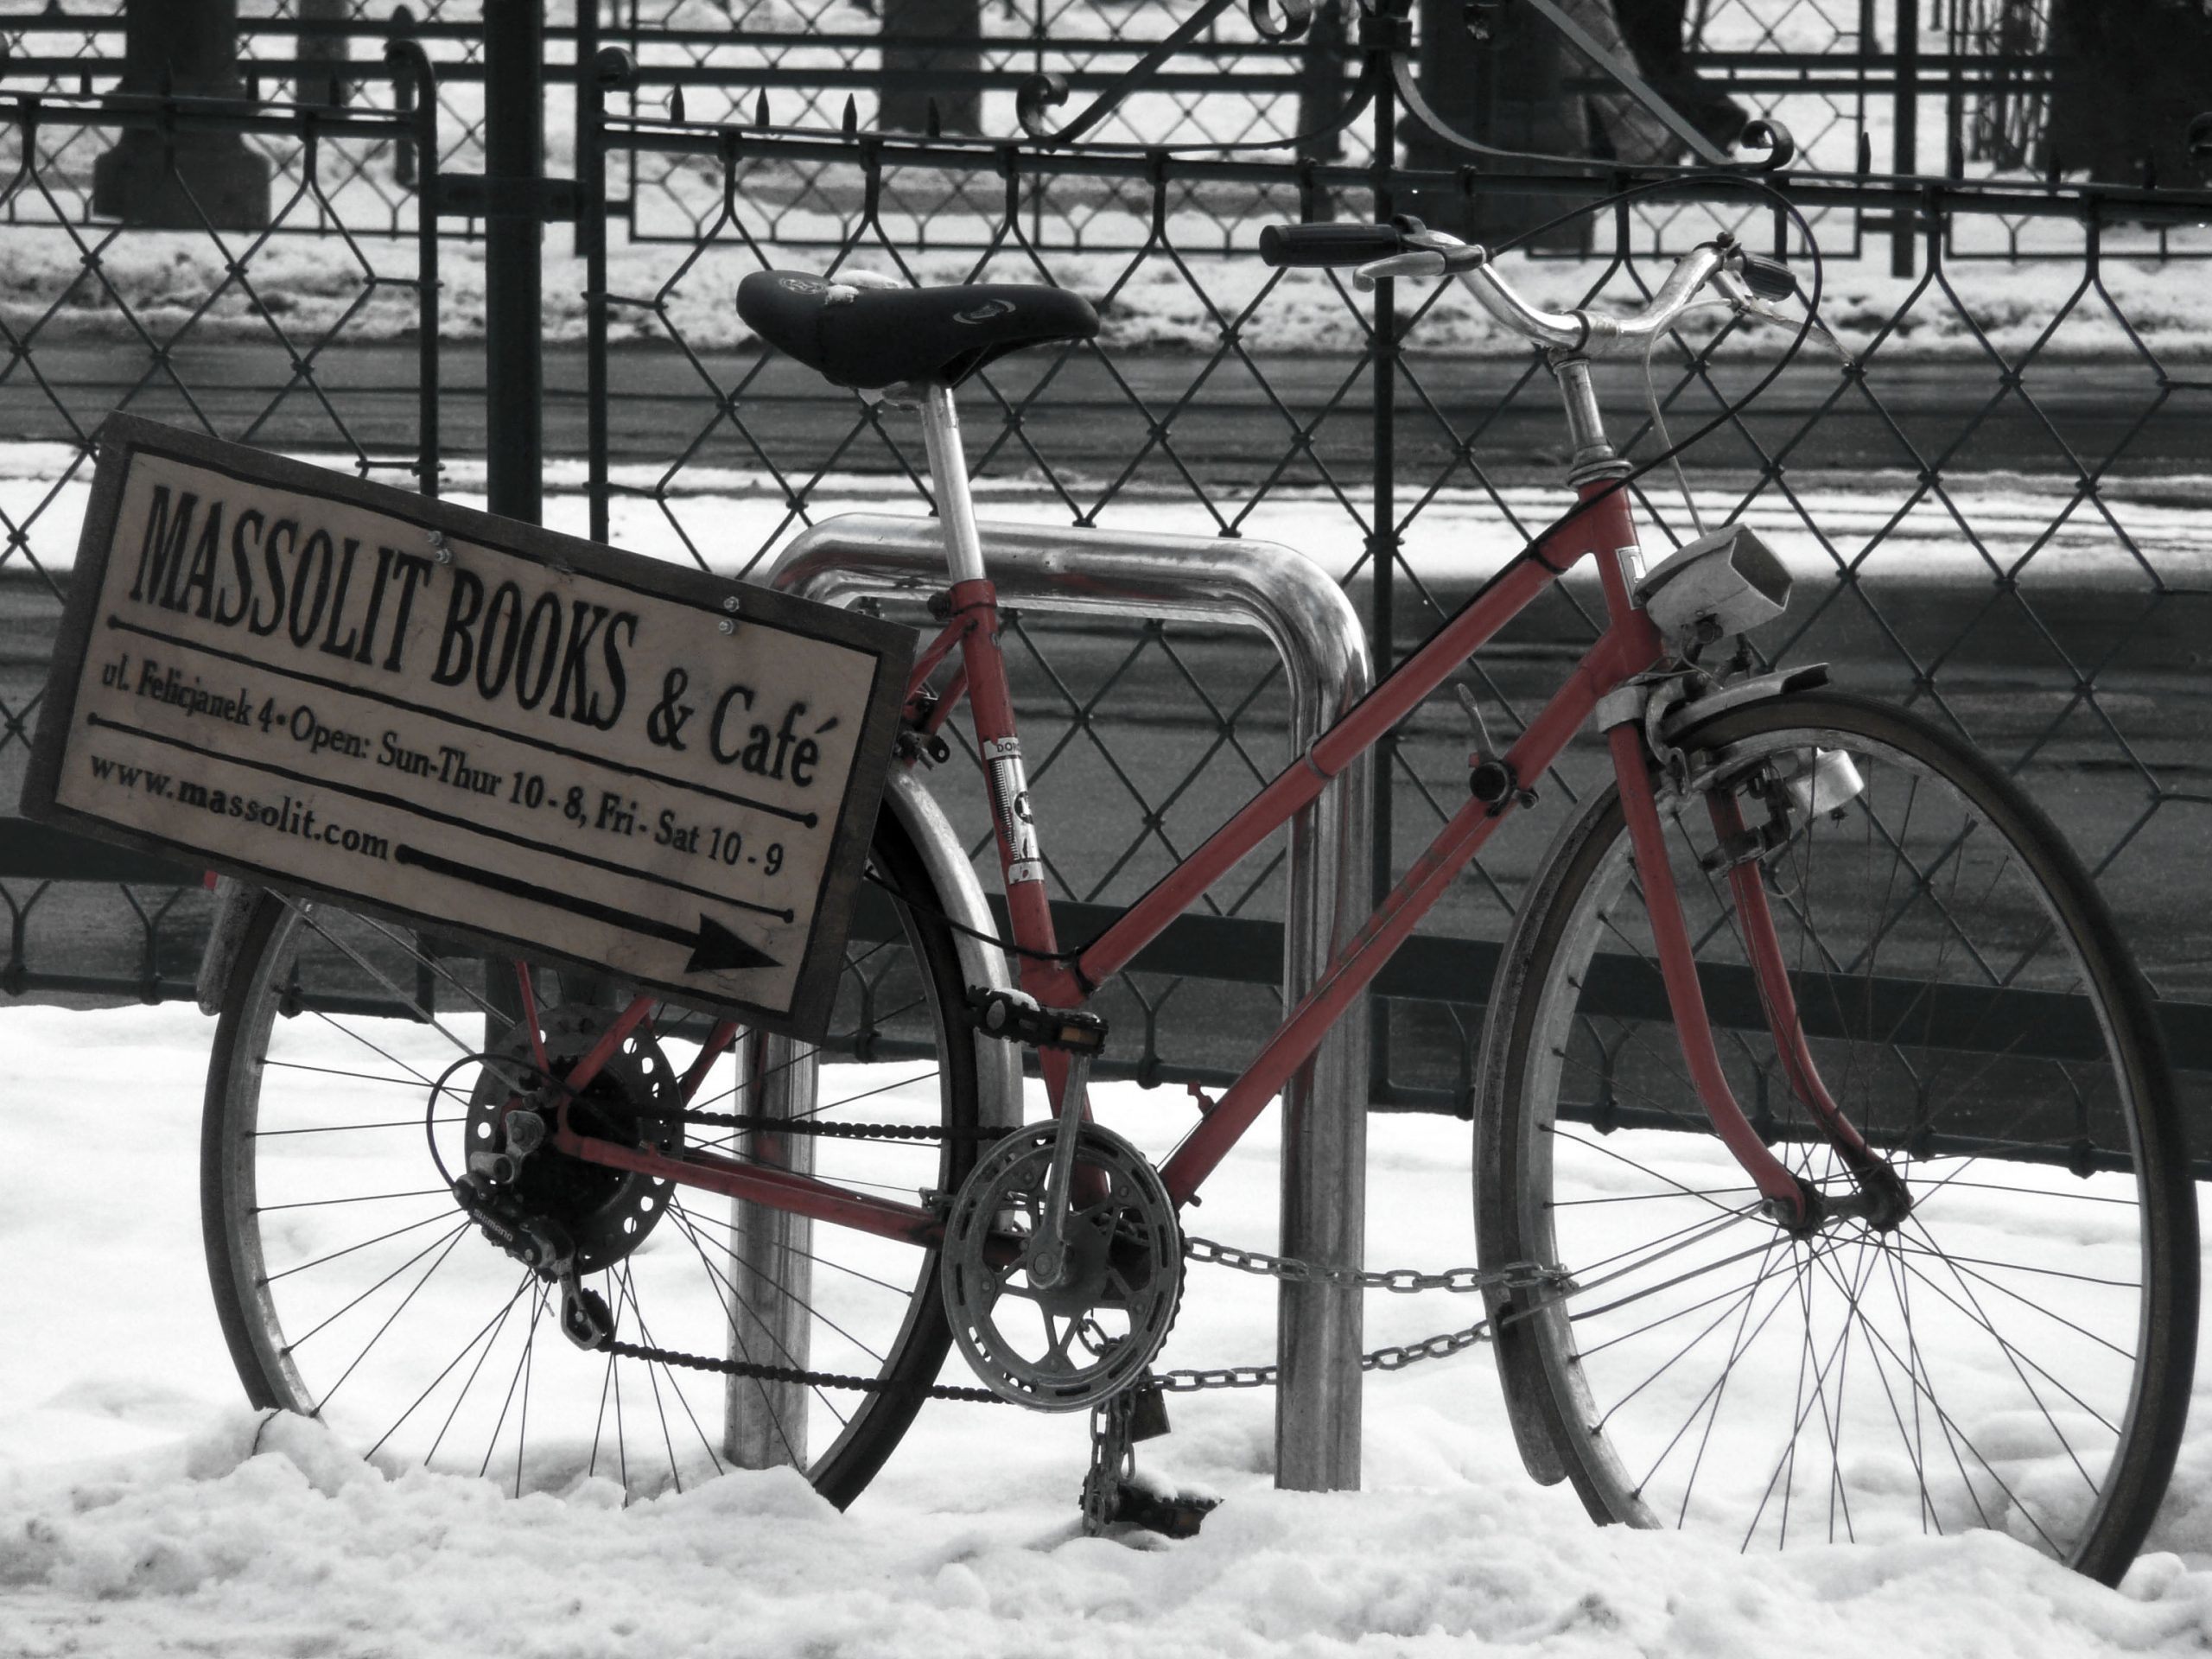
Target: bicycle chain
point(831, 1130)
point(792, 1373)
point(1188, 1380)
point(1519, 1275)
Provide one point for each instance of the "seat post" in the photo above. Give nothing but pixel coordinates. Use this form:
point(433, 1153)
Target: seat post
point(949, 479)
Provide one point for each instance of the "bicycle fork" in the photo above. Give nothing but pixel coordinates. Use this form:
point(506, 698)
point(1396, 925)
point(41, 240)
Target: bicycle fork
point(1788, 1197)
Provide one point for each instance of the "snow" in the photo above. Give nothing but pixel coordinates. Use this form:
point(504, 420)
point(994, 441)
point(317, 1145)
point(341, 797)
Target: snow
point(145, 1511)
point(1179, 304)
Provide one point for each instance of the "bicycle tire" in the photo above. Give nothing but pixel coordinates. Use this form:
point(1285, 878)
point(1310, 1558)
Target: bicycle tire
point(296, 1161)
point(2057, 1416)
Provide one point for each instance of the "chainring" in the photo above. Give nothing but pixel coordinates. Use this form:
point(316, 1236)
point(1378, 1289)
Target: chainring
point(1069, 1346)
point(606, 1213)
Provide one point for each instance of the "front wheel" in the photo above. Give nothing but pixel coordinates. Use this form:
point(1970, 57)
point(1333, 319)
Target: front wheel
point(2015, 1349)
point(352, 1288)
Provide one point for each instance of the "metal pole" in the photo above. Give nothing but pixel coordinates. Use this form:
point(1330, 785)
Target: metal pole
point(772, 1263)
point(1382, 551)
point(514, 166)
point(514, 162)
point(1317, 634)
point(766, 1424)
point(1318, 1327)
point(1904, 153)
point(418, 81)
point(591, 242)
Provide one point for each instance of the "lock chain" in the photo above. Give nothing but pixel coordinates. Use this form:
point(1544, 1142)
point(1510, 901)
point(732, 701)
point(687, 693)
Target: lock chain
point(1519, 1276)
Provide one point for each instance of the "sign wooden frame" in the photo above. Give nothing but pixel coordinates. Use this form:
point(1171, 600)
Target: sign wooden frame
point(425, 648)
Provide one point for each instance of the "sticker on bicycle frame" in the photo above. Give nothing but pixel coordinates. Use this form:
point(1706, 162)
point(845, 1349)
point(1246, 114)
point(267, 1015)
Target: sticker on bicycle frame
point(535, 743)
point(1010, 801)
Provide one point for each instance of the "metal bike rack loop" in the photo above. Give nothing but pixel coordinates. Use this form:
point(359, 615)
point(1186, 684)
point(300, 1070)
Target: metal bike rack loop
point(1318, 636)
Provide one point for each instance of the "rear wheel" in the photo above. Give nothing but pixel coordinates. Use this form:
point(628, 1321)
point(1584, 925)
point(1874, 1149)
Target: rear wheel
point(352, 1288)
point(2014, 1352)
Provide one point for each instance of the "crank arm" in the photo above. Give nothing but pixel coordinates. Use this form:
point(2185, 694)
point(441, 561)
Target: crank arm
point(1048, 1250)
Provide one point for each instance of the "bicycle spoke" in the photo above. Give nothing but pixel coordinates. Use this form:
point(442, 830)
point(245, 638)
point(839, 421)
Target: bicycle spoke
point(332, 1256)
point(725, 1284)
point(1819, 1387)
point(487, 1334)
point(522, 1362)
point(528, 1282)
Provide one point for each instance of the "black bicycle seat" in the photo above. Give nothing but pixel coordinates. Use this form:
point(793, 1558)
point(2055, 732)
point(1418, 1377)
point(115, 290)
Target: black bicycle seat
point(872, 337)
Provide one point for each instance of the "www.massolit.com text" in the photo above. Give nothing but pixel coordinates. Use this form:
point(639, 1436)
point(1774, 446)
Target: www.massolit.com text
point(286, 816)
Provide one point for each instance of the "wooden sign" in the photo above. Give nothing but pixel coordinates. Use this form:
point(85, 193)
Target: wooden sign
point(334, 687)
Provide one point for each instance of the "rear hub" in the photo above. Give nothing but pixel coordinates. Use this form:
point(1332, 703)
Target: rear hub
point(554, 1204)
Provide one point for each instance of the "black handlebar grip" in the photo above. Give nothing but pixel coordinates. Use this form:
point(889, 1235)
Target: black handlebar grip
point(1328, 244)
point(1770, 279)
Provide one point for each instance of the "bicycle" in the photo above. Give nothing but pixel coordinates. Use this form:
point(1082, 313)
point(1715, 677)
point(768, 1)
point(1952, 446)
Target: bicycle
point(1807, 1023)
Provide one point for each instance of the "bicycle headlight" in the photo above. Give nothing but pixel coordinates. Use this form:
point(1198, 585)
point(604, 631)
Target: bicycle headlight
point(1727, 582)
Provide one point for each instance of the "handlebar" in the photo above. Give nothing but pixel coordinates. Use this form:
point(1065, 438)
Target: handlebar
point(1407, 248)
point(1315, 246)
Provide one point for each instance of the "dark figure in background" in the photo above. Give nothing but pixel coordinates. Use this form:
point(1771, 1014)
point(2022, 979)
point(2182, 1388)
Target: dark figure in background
point(2127, 78)
point(1513, 91)
point(1657, 35)
point(181, 181)
point(933, 38)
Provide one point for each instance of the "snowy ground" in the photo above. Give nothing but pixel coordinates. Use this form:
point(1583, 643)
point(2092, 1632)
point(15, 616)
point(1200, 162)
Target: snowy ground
point(145, 1512)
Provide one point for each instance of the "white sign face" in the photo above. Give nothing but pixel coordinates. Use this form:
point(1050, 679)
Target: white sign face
point(322, 683)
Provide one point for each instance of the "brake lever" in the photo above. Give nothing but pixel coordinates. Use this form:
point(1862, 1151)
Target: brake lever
point(1422, 262)
point(1752, 308)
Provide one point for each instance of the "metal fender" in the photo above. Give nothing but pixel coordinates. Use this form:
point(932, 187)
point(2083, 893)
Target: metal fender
point(982, 963)
point(1529, 1399)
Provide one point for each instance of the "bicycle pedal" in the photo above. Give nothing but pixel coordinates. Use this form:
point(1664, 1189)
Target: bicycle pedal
point(1179, 1516)
point(1017, 1017)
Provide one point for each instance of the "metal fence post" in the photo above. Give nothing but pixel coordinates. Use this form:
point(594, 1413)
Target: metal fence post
point(1904, 136)
point(771, 1263)
point(1317, 634)
point(514, 160)
point(593, 81)
point(514, 165)
point(415, 87)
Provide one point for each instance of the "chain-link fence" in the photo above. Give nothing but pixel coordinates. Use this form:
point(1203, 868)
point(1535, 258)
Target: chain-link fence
point(1992, 513)
point(1981, 509)
point(297, 345)
point(322, 55)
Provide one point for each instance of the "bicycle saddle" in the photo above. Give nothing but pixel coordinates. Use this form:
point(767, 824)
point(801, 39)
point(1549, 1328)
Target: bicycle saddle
point(872, 337)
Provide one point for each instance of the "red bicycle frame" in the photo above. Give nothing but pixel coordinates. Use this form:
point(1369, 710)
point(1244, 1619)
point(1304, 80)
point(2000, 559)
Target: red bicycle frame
point(1600, 528)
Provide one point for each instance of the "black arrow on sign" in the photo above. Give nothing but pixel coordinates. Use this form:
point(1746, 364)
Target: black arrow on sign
point(714, 949)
